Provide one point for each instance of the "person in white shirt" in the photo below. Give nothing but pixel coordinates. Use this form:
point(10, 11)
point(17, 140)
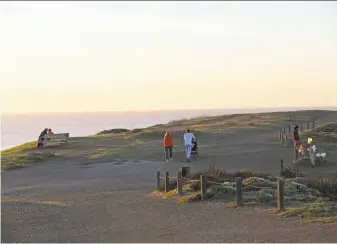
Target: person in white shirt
point(188, 137)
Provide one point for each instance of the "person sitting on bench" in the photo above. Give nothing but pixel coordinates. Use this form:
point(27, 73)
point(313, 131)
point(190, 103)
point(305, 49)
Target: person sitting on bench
point(50, 132)
point(41, 137)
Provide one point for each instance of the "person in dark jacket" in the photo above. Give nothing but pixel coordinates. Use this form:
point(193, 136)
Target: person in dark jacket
point(41, 137)
point(297, 141)
point(296, 134)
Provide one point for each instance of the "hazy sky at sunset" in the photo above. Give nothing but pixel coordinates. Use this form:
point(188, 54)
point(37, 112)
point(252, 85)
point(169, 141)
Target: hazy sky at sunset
point(99, 56)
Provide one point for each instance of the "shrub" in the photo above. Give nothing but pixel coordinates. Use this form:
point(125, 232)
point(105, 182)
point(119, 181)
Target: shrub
point(287, 172)
point(112, 131)
point(326, 185)
point(137, 130)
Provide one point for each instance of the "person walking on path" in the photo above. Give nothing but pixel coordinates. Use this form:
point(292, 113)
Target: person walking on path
point(168, 145)
point(188, 137)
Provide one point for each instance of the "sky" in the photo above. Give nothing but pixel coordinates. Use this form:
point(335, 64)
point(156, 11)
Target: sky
point(117, 56)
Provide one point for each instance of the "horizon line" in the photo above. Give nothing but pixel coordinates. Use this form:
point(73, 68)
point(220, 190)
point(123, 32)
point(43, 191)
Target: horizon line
point(277, 109)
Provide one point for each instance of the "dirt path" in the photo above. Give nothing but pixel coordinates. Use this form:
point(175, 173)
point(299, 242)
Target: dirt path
point(130, 216)
point(107, 202)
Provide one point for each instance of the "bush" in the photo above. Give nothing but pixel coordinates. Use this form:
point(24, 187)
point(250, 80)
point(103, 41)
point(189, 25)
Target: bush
point(137, 130)
point(326, 185)
point(195, 185)
point(287, 173)
point(328, 128)
point(216, 175)
point(112, 131)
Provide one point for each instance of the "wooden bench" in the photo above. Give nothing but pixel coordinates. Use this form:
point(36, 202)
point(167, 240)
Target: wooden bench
point(64, 137)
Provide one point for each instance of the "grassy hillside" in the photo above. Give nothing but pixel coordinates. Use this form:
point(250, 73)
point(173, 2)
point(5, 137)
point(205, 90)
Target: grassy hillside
point(325, 132)
point(142, 143)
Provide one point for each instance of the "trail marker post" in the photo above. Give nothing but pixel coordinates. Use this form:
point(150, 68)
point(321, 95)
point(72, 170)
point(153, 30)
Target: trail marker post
point(158, 181)
point(280, 194)
point(167, 182)
point(238, 185)
point(179, 183)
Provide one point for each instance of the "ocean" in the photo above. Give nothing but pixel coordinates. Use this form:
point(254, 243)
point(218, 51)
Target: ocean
point(19, 129)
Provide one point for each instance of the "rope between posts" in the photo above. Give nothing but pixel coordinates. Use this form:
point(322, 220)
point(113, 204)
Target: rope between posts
point(256, 187)
point(276, 176)
point(218, 183)
point(170, 177)
point(215, 183)
point(189, 179)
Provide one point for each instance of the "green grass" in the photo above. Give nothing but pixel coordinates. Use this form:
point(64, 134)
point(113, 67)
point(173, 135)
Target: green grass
point(191, 198)
point(232, 204)
point(247, 119)
point(104, 153)
point(21, 160)
point(325, 132)
point(20, 148)
point(112, 131)
point(171, 193)
point(313, 211)
point(22, 155)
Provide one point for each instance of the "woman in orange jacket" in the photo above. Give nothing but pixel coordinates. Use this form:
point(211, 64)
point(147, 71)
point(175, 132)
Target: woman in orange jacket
point(168, 145)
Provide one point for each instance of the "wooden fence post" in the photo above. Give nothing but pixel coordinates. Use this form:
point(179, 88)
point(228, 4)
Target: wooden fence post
point(295, 152)
point(158, 181)
point(284, 131)
point(179, 183)
point(202, 187)
point(280, 194)
point(285, 140)
point(238, 184)
point(313, 124)
point(167, 182)
point(301, 127)
point(185, 171)
point(308, 125)
point(281, 164)
point(280, 135)
point(289, 128)
point(297, 172)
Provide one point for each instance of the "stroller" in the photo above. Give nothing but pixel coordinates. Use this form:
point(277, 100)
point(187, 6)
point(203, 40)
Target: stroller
point(195, 148)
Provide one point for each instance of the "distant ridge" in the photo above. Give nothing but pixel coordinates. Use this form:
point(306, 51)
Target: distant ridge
point(211, 111)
